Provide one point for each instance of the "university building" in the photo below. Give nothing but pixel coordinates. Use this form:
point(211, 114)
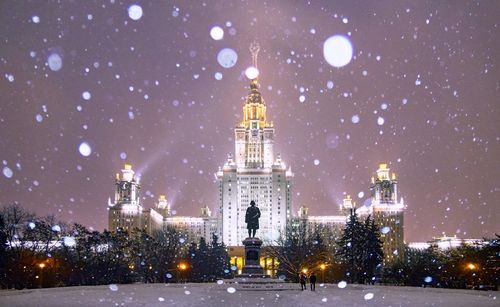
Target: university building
point(254, 172)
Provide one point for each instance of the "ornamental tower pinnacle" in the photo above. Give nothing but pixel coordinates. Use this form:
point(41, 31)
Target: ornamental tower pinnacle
point(254, 49)
point(254, 135)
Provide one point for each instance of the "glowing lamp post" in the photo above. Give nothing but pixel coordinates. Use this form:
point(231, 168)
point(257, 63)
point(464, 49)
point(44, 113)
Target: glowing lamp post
point(182, 267)
point(323, 267)
point(472, 268)
point(41, 265)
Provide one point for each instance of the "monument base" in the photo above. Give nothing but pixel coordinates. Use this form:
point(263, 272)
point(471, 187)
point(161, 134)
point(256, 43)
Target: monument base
point(252, 258)
point(253, 277)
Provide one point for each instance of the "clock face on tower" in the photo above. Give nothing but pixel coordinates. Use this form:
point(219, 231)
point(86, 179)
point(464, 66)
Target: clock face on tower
point(386, 184)
point(124, 185)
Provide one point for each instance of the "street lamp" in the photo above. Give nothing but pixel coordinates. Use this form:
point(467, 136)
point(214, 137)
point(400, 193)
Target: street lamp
point(304, 270)
point(323, 267)
point(182, 267)
point(472, 267)
point(41, 265)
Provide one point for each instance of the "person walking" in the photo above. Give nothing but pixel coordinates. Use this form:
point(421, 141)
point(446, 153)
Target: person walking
point(303, 282)
point(312, 280)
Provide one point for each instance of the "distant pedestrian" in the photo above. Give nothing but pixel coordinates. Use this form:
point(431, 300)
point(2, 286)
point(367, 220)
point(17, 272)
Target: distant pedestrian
point(303, 282)
point(312, 280)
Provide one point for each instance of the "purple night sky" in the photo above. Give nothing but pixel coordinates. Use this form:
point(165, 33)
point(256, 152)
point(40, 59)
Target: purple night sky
point(429, 69)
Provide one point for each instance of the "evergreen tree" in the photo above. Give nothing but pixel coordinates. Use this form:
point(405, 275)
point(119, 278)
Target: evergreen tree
point(199, 260)
point(145, 262)
point(372, 250)
point(219, 263)
point(192, 259)
point(350, 247)
point(168, 250)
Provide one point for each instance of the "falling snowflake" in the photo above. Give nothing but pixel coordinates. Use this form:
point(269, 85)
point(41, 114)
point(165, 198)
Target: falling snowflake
point(217, 33)
point(337, 51)
point(135, 12)
point(85, 149)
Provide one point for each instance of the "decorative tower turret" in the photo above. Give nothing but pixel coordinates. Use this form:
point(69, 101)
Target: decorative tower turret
point(162, 206)
point(388, 213)
point(126, 211)
point(127, 186)
point(347, 205)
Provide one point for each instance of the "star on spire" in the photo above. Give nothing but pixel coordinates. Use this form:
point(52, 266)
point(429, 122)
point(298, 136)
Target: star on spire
point(254, 49)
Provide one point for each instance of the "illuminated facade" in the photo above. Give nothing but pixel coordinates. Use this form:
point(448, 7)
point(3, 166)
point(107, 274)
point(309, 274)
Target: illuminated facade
point(446, 243)
point(254, 174)
point(127, 213)
point(333, 223)
point(195, 227)
point(385, 208)
point(388, 213)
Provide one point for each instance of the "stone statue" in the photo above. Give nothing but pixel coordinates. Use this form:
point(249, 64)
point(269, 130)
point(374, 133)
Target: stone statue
point(252, 219)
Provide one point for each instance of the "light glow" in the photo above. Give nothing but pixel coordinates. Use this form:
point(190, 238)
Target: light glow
point(252, 73)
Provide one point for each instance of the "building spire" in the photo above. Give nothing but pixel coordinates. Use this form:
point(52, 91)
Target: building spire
point(254, 49)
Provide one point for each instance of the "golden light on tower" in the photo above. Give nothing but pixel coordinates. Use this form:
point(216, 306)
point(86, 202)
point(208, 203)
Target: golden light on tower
point(471, 266)
point(255, 106)
point(383, 172)
point(128, 166)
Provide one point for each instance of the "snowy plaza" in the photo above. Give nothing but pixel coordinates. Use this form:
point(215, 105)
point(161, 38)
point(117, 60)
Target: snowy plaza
point(232, 153)
point(223, 295)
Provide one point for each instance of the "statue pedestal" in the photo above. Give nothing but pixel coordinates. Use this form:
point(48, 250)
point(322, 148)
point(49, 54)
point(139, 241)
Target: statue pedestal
point(252, 277)
point(252, 258)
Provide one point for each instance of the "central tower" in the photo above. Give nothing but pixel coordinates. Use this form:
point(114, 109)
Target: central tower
point(254, 174)
point(254, 135)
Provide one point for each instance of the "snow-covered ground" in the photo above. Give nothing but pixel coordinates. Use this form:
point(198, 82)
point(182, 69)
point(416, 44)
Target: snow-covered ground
point(224, 295)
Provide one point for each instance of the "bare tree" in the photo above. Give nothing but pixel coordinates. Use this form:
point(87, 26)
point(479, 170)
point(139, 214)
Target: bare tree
point(299, 247)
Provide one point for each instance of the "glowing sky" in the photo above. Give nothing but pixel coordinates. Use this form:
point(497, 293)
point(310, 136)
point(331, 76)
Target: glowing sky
point(89, 85)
